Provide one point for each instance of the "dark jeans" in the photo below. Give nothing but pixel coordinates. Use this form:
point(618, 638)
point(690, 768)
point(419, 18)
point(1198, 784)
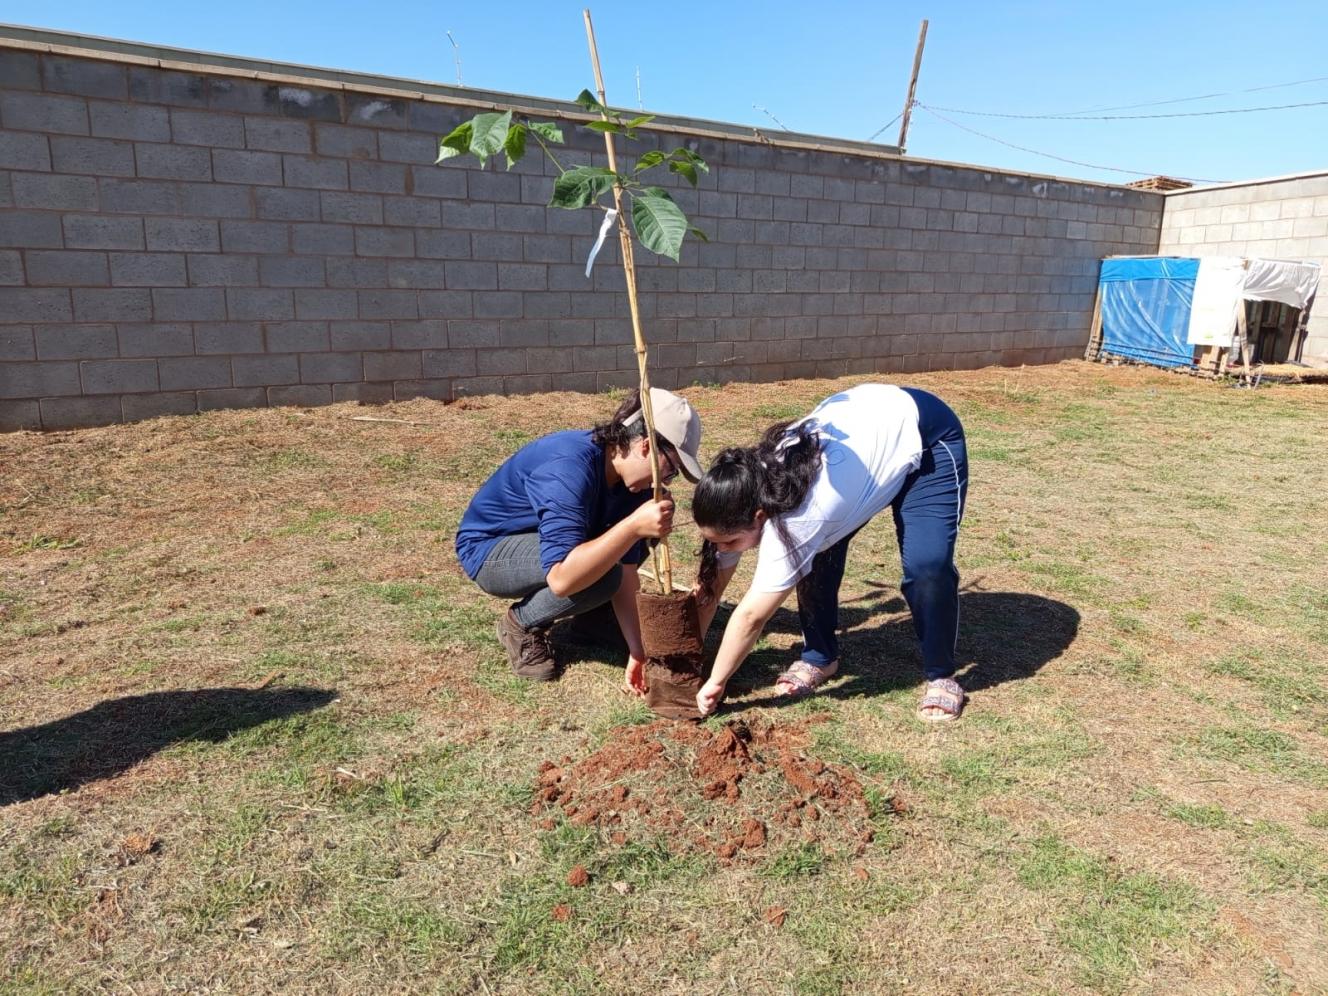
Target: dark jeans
point(512, 570)
point(927, 512)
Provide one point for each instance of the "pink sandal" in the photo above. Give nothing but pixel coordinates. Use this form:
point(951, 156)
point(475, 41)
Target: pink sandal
point(806, 678)
point(946, 695)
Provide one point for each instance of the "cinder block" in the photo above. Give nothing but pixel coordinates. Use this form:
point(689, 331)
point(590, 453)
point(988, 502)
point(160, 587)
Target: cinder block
point(248, 397)
point(138, 122)
point(415, 273)
point(318, 174)
point(299, 395)
point(50, 191)
point(148, 270)
point(75, 342)
point(395, 365)
point(485, 185)
point(192, 305)
point(206, 128)
point(36, 380)
point(461, 214)
point(16, 343)
point(468, 334)
point(521, 277)
point(520, 217)
point(365, 394)
point(323, 240)
point(85, 77)
point(439, 181)
point(326, 368)
point(212, 200)
point(246, 166)
point(278, 135)
point(118, 376)
point(425, 334)
point(353, 208)
point(140, 197)
point(296, 337)
point(173, 162)
point(384, 241)
point(142, 406)
point(500, 304)
point(20, 71)
point(442, 244)
point(76, 413)
point(149, 85)
point(16, 416)
point(342, 142)
point(178, 235)
point(228, 337)
point(259, 305)
point(304, 103)
point(376, 177)
point(116, 305)
point(223, 271)
point(95, 156)
point(265, 371)
point(44, 113)
point(154, 339)
point(361, 335)
point(21, 304)
point(376, 111)
point(472, 276)
point(496, 246)
point(321, 305)
point(412, 211)
point(292, 271)
point(58, 268)
point(26, 150)
point(408, 148)
point(446, 304)
point(350, 272)
point(388, 304)
point(281, 204)
point(450, 363)
point(255, 237)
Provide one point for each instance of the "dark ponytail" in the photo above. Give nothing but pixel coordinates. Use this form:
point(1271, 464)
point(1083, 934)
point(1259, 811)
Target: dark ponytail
point(773, 476)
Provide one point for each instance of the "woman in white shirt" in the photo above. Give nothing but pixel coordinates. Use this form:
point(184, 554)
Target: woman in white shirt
point(801, 494)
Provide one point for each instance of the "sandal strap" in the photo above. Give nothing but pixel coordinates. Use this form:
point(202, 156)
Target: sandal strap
point(806, 677)
point(945, 694)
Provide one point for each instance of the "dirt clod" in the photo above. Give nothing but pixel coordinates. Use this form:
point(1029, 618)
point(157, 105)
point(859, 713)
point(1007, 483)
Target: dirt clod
point(562, 913)
point(775, 915)
point(577, 877)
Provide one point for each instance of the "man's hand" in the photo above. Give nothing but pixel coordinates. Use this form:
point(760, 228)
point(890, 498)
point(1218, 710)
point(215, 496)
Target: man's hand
point(634, 681)
point(707, 699)
point(654, 519)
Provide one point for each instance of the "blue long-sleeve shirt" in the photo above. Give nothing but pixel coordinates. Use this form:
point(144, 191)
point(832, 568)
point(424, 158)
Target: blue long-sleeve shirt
point(554, 486)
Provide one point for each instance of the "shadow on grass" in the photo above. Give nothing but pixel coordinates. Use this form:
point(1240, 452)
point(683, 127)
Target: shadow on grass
point(1003, 636)
point(113, 736)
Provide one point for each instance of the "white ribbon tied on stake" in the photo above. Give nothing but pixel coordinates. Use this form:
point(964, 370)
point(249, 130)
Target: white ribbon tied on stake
point(610, 216)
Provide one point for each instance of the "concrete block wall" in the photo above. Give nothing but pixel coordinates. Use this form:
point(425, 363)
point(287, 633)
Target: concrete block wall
point(178, 235)
point(1283, 218)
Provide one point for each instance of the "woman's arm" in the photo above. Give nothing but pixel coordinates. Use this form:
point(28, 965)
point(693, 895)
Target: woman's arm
point(624, 607)
point(706, 610)
point(591, 560)
point(740, 635)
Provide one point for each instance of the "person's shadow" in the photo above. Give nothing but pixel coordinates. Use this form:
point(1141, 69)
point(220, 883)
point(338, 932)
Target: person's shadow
point(114, 735)
point(1003, 636)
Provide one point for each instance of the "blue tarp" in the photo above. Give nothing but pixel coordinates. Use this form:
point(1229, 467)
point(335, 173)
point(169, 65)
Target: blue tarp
point(1146, 304)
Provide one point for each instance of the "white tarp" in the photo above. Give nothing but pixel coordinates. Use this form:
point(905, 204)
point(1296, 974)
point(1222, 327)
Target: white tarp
point(1224, 283)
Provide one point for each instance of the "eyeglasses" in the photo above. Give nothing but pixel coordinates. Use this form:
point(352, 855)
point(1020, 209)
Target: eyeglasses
point(665, 459)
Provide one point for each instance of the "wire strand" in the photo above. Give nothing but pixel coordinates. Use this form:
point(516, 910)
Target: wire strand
point(1130, 117)
point(872, 138)
point(1182, 100)
point(1048, 155)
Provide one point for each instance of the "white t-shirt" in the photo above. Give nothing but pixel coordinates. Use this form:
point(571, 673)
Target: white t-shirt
point(869, 444)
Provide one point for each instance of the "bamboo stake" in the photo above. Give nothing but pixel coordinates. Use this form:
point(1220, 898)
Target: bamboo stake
point(665, 573)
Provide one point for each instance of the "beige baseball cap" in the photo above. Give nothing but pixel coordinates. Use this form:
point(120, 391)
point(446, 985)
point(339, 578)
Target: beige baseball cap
point(676, 420)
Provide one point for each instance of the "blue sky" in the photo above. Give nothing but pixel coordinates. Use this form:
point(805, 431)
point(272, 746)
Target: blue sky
point(836, 69)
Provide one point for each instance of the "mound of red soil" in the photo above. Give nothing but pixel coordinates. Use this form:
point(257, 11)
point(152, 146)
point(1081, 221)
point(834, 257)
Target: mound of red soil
point(732, 792)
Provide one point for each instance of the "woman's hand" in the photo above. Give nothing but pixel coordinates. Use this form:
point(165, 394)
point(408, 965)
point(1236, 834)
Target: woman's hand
point(653, 520)
point(707, 699)
point(634, 681)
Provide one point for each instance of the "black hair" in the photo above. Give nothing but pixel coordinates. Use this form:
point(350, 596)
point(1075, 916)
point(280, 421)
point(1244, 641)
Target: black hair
point(621, 430)
point(773, 476)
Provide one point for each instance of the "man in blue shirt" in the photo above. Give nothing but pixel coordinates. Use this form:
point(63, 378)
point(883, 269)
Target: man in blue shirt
point(563, 523)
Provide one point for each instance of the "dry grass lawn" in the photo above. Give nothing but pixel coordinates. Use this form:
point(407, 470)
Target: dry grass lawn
point(256, 734)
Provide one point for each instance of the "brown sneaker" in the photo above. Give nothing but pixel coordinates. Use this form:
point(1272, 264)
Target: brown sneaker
point(528, 650)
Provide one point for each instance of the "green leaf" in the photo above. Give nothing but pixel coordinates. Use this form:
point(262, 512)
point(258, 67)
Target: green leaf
point(637, 122)
point(490, 131)
point(587, 100)
point(580, 186)
point(608, 126)
point(456, 142)
point(548, 129)
point(515, 144)
point(686, 169)
point(659, 223)
point(689, 156)
point(648, 160)
point(698, 233)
